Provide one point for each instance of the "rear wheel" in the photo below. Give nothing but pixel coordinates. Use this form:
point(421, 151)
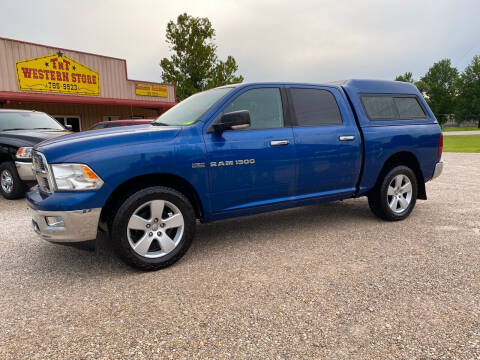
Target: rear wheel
point(11, 186)
point(153, 228)
point(394, 197)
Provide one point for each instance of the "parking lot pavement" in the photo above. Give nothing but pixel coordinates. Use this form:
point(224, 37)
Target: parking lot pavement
point(321, 281)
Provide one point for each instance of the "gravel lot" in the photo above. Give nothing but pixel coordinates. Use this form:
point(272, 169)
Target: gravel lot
point(325, 281)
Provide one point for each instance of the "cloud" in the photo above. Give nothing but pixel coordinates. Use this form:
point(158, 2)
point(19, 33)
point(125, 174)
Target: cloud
point(271, 40)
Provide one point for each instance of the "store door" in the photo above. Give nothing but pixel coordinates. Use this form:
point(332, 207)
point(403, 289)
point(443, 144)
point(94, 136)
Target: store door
point(73, 121)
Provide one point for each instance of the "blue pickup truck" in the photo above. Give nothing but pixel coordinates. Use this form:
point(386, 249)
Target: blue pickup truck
point(232, 151)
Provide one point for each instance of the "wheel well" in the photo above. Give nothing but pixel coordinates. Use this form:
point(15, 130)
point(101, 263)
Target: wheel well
point(5, 157)
point(410, 160)
point(133, 185)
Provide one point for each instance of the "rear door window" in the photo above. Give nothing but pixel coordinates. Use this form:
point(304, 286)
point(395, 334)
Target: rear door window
point(392, 107)
point(315, 107)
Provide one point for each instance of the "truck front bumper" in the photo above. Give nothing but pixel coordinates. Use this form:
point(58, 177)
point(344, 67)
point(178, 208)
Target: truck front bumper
point(438, 170)
point(24, 170)
point(66, 226)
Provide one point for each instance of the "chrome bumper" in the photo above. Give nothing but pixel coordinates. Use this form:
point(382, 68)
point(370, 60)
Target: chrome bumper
point(75, 226)
point(25, 171)
point(438, 170)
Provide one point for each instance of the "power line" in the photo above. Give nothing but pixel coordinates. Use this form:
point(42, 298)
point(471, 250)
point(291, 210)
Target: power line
point(458, 62)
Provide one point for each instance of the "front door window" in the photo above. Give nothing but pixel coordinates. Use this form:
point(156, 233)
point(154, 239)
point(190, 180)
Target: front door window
point(263, 105)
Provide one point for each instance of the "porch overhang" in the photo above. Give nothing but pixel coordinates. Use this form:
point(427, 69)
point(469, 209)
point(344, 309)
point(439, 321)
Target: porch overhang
point(6, 96)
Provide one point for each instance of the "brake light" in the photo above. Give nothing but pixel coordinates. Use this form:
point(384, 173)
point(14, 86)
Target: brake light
point(440, 146)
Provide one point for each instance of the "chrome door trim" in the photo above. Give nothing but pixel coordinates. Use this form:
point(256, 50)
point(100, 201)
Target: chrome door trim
point(279, 142)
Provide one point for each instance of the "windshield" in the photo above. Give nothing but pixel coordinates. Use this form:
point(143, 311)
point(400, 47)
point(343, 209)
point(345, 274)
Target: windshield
point(189, 110)
point(27, 121)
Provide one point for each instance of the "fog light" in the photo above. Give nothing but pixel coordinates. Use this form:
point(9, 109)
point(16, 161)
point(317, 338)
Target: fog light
point(55, 221)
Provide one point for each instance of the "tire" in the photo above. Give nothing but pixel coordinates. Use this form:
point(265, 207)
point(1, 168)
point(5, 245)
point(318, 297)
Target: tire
point(145, 232)
point(11, 186)
point(387, 201)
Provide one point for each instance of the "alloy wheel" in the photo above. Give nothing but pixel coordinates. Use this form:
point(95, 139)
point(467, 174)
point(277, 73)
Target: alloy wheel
point(6, 181)
point(399, 194)
point(155, 228)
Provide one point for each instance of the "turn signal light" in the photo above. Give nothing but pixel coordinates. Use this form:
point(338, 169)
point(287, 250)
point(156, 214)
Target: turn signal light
point(89, 173)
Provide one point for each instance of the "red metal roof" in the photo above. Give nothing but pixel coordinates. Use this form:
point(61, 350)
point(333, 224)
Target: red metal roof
point(68, 99)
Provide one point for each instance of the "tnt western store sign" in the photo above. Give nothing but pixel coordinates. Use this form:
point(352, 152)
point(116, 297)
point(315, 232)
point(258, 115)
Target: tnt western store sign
point(76, 88)
point(57, 73)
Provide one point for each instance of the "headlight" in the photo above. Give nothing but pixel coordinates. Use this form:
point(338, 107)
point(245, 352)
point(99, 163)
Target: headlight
point(24, 153)
point(75, 177)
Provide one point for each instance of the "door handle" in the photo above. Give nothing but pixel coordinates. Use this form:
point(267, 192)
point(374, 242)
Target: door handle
point(346, 138)
point(279, 142)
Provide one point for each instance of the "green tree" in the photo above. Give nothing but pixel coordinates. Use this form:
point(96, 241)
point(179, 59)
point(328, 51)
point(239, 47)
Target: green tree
point(439, 87)
point(194, 65)
point(224, 73)
point(468, 100)
point(407, 77)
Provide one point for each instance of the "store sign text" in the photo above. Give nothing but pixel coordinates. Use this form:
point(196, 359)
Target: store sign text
point(57, 73)
point(151, 90)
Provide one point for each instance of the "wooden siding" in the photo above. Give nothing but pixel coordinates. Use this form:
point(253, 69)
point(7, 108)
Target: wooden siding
point(112, 71)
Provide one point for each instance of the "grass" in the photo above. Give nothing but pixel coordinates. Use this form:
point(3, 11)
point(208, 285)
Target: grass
point(462, 143)
point(466, 128)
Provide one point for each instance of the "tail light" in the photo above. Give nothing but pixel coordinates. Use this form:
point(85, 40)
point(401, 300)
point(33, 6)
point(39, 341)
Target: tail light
point(440, 146)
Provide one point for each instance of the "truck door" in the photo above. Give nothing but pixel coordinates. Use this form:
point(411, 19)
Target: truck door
point(253, 166)
point(327, 142)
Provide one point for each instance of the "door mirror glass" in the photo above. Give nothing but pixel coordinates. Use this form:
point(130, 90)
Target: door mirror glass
point(235, 120)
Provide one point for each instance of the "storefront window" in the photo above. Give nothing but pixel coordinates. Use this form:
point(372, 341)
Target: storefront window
point(73, 121)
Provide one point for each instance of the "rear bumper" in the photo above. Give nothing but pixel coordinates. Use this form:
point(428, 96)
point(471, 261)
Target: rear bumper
point(24, 170)
point(70, 227)
point(438, 170)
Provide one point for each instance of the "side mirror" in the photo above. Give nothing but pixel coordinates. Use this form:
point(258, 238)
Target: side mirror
point(234, 120)
point(68, 127)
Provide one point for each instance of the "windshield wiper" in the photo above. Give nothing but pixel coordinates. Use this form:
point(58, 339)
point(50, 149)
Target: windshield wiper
point(44, 129)
point(13, 129)
point(159, 124)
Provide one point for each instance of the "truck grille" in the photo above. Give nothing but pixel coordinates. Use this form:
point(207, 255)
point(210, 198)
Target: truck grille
point(42, 173)
point(38, 163)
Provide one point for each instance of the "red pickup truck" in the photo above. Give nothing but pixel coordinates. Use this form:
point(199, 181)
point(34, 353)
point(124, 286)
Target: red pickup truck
point(117, 123)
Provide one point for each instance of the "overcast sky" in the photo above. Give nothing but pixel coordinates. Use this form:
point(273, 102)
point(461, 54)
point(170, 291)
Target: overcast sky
point(271, 40)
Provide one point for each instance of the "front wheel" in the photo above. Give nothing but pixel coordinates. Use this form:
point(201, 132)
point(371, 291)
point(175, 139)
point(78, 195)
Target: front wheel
point(153, 228)
point(394, 197)
point(11, 186)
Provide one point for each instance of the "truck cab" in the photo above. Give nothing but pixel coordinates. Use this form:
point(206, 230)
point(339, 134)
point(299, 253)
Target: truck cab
point(233, 151)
